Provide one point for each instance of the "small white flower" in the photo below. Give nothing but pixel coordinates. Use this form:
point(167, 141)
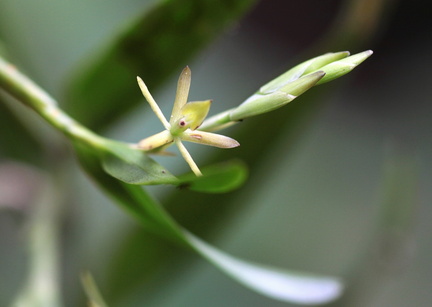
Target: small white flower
point(185, 118)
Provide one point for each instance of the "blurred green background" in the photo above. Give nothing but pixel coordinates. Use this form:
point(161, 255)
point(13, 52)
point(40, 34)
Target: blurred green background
point(312, 203)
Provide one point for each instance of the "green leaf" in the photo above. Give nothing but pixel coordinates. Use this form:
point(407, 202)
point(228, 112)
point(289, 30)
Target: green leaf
point(156, 45)
point(131, 197)
point(21, 144)
point(134, 166)
point(272, 282)
point(217, 178)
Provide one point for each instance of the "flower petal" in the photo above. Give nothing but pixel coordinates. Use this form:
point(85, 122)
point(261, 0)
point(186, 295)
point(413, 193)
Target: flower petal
point(152, 103)
point(182, 93)
point(194, 113)
point(156, 140)
point(208, 138)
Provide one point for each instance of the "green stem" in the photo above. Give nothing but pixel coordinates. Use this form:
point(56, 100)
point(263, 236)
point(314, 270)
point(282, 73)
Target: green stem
point(217, 122)
point(31, 95)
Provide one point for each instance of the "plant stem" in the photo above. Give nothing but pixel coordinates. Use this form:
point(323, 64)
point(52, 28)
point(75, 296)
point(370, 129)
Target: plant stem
point(217, 122)
point(31, 95)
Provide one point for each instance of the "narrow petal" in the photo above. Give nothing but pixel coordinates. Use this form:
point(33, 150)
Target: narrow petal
point(188, 158)
point(152, 103)
point(208, 138)
point(182, 93)
point(156, 140)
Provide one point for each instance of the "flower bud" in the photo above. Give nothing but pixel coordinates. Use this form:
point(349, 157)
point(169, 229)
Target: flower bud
point(341, 67)
point(211, 139)
point(306, 67)
point(263, 103)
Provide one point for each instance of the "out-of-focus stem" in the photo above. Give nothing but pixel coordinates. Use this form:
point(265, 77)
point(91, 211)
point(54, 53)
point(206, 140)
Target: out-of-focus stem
point(42, 288)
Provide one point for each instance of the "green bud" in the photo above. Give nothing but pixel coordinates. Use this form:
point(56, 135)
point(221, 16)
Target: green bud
point(341, 67)
point(322, 60)
point(259, 103)
point(302, 84)
point(296, 72)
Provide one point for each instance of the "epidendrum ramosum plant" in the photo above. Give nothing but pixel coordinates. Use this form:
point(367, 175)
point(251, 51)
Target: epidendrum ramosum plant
point(121, 169)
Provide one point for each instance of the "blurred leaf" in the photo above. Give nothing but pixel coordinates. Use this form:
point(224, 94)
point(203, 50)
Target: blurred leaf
point(156, 45)
point(16, 141)
point(94, 297)
point(391, 248)
point(134, 267)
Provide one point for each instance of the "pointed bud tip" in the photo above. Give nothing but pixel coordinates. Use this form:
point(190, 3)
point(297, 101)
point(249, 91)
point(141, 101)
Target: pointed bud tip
point(234, 144)
point(186, 70)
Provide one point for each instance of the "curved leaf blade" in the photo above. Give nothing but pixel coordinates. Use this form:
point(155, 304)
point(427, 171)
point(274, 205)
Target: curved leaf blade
point(217, 178)
point(276, 283)
point(272, 282)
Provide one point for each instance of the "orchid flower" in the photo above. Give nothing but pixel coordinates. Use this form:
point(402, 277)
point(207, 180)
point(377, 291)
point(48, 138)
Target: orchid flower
point(185, 119)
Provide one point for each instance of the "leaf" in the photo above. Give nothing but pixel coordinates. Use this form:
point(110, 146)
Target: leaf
point(272, 282)
point(217, 178)
point(132, 197)
point(134, 166)
point(21, 144)
point(392, 244)
point(156, 45)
